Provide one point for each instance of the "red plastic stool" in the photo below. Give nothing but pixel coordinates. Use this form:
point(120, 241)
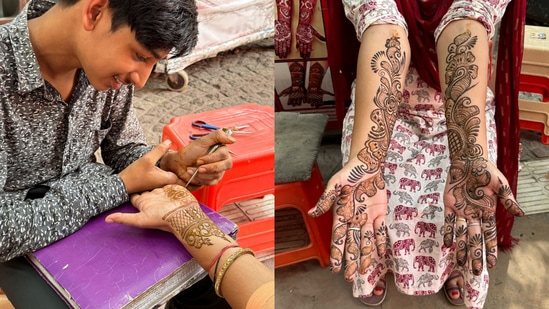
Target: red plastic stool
point(252, 174)
point(534, 77)
point(303, 195)
point(298, 183)
point(535, 115)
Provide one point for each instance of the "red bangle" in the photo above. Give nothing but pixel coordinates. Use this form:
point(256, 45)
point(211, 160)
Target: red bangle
point(218, 256)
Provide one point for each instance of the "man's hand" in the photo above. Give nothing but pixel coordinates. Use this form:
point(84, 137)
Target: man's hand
point(143, 174)
point(360, 206)
point(210, 167)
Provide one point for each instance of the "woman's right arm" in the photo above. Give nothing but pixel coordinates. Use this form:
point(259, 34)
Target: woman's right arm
point(357, 192)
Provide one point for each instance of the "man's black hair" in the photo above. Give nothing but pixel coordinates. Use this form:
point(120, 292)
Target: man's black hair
point(159, 25)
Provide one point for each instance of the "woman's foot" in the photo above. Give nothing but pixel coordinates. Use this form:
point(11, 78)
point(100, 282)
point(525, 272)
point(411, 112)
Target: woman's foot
point(453, 288)
point(378, 295)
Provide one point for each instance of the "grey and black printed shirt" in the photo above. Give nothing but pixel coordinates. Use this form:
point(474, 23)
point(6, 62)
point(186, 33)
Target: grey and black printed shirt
point(45, 140)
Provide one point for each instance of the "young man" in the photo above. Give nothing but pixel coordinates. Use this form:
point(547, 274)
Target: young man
point(68, 71)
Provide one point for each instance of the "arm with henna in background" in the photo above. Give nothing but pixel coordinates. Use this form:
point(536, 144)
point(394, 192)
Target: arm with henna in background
point(315, 93)
point(305, 33)
point(296, 92)
point(474, 183)
point(283, 28)
point(357, 192)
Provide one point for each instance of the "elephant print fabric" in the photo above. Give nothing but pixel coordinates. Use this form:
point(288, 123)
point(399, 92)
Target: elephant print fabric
point(415, 174)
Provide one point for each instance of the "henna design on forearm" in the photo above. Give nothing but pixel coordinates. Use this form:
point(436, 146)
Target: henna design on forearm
point(315, 93)
point(189, 221)
point(468, 174)
point(389, 65)
point(296, 92)
point(283, 31)
point(350, 207)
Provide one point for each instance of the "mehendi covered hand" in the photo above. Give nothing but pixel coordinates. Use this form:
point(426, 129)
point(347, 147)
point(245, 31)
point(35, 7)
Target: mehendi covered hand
point(305, 33)
point(474, 183)
point(315, 93)
point(472, 191)
point(296, 92)
point(283, 28)
point(359, 201)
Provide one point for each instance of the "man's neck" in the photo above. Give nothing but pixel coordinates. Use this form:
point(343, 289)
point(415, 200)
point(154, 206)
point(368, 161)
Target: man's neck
point(52, 37)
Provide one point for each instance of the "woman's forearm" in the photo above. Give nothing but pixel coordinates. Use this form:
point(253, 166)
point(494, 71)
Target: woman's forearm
point(211, 248)
point(463, 58)
point(383, 62)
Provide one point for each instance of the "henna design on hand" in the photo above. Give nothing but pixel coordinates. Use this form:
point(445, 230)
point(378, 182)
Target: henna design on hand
point(296, 92)
point(314, 91)
point(283, 28)
point(461, 245)
point(450, 221)
point(366, 250)
point(352, 245)
point(350, 198)
point(180, 195)
point(305, 33)
point(381, 236)
point(189, 221)
point(475, 251)
point(491, 240)
point(468, 174)
point(473, 180)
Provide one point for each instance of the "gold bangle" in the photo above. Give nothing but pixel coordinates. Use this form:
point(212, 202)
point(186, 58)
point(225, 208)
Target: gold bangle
point(226, 266)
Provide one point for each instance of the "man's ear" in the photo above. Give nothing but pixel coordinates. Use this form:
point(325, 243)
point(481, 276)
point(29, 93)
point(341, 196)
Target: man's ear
point(92, 12)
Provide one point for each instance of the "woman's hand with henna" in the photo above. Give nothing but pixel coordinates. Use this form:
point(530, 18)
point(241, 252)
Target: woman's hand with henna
point(305, 33)
point(153, 207)
point(470, 199)
point(359, 202)
point(283, 28)
point(296, 92)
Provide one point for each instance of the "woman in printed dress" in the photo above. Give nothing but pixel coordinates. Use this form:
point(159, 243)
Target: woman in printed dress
point(418, 190)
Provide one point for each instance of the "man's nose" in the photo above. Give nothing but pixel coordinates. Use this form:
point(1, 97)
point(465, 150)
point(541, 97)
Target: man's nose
point(140, 76)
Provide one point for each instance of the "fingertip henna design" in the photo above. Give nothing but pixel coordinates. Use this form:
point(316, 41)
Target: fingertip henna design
point(325, 202)
point(336, 255)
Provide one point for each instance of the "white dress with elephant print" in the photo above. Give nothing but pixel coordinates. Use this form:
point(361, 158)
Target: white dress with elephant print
point(417, 166)
point(415, 173)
